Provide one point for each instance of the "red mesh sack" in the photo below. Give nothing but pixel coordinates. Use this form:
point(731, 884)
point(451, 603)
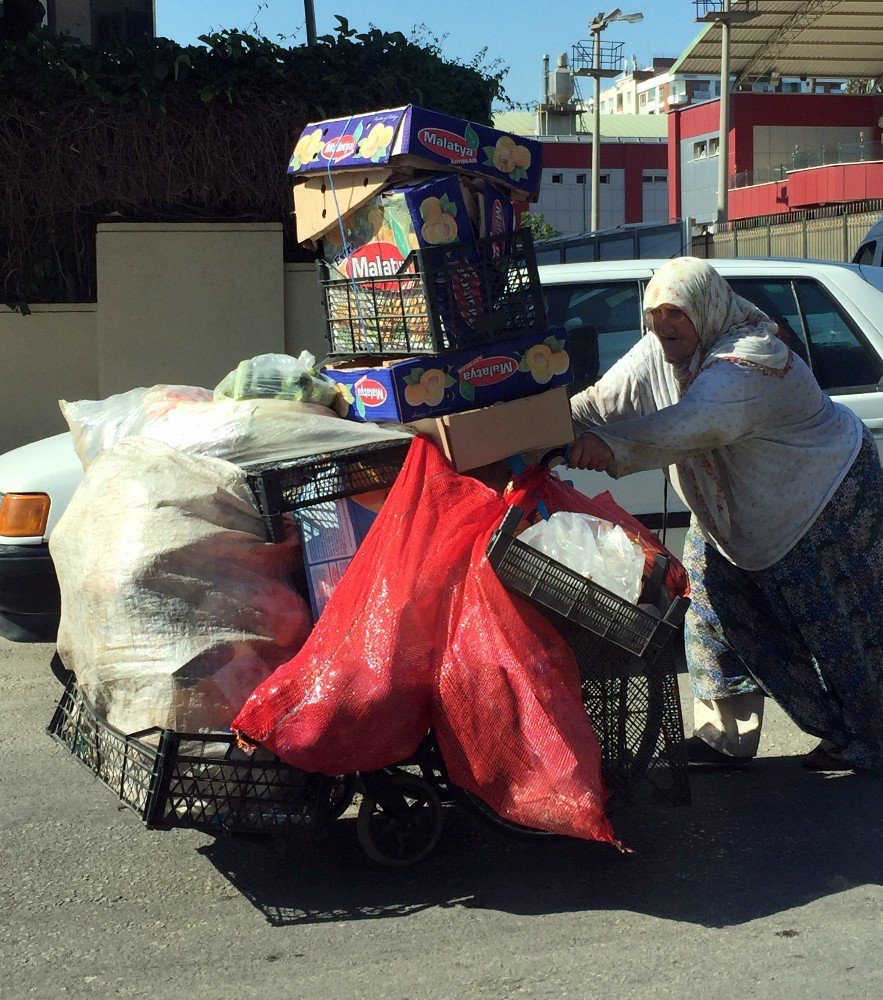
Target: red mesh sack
point(357, 695)
point(419, 633)
point(538, 484)
point(509, 717)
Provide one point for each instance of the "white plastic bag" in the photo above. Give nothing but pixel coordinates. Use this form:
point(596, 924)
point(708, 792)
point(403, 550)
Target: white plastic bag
point(174, 607)
point(97, 424)
point(592, 547)
point(238, 431)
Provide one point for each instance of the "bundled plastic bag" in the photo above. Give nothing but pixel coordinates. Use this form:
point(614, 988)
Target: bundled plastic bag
point(96, 424)
point(173, 604)
point(278, 376)
point(594, 548)
point(420, 633)
point(538, 484)
point(238, 431)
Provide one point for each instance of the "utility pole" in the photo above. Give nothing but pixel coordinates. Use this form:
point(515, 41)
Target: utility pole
point(310, 14)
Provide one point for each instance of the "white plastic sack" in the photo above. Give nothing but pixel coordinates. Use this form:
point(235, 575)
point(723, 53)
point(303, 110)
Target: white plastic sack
point(592, 547)
point(238, 431)
point(96, 424)
point(174, 607)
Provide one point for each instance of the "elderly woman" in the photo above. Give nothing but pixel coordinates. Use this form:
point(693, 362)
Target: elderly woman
point(785, 547)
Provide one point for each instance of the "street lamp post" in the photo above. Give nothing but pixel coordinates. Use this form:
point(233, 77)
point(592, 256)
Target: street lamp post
point(721, 12)
point(595, 28)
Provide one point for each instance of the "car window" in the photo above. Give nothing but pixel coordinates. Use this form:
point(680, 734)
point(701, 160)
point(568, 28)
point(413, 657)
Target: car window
point(778, 301)
point(603, 321)
point(841, 360)
point(865, 253)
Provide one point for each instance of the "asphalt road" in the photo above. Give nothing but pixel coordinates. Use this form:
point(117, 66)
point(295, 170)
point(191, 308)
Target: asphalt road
point(768, 885)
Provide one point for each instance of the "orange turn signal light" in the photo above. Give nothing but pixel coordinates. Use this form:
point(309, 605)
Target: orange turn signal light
point(23, 515)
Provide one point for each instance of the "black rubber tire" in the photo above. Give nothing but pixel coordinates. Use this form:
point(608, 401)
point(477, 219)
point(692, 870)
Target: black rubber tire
point(398, 842)
point(341, 791)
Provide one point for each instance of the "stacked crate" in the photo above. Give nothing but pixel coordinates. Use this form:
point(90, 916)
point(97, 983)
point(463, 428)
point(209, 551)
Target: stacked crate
point(433, 305)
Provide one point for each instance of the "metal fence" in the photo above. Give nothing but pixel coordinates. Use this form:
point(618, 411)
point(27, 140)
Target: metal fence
point(851, 152)
point(825, 234)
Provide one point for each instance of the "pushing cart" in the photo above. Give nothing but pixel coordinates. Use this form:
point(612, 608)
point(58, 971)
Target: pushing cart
point(204, 781)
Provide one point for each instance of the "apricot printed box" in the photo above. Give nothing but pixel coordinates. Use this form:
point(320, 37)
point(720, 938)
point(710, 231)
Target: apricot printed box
point(432, 385)
point(415, 137)
point(380, 234)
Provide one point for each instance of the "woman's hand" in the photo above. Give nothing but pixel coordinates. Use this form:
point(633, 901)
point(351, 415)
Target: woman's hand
point(590, 452)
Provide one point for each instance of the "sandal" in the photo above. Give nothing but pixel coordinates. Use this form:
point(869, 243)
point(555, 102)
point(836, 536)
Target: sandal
point(825, 758)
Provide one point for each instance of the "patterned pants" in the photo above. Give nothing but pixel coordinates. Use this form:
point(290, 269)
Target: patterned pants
point(807, 631)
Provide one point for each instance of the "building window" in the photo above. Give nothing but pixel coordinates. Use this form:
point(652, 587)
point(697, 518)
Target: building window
point(557, 178)
point(700, 150)
point(714, 146)
point(604, 179)
point(581, 178)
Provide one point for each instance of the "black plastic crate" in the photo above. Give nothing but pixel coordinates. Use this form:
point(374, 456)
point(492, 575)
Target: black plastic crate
point(287, 486)
point(563, 590)
point(443, 298)
point(200, 780)
point(635, 708)
point(626, 662)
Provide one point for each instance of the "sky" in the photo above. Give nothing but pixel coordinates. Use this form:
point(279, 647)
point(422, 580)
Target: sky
point(518, 33)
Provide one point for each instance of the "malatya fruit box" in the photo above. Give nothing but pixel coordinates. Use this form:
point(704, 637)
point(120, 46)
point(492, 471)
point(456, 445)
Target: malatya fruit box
point(436, 384)
point(381, 233)
point(415, 137)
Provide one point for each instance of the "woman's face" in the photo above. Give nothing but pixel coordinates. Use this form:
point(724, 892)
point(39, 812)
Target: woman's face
point(676, 333)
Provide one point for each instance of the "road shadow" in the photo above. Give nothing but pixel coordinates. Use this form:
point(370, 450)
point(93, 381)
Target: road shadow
point(752, 844)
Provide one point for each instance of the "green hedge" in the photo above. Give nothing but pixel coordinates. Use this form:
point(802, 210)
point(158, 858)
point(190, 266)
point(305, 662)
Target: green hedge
point(164, 132)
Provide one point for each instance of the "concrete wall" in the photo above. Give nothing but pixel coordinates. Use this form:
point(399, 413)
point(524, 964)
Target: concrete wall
point(47, 355)
point(304, 315)
point(185, 303)
point(181, 304)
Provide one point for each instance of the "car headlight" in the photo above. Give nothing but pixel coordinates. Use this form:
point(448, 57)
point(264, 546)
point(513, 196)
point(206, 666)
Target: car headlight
point(23, 515)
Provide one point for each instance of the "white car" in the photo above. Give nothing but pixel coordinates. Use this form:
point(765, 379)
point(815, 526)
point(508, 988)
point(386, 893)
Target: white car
point(832, 314)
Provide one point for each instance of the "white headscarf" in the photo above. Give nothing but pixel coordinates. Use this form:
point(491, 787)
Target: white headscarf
point(729, 327)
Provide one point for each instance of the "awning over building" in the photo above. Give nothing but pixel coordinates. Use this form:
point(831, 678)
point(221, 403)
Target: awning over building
point(810, 38)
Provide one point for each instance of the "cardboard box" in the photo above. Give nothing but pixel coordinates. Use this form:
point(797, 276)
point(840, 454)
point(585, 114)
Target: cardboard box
point(496, 213)
point(330, 533)
point(381, 233)
point(318, 206)
point(479, 437)
point(431, 385)
point(426, 140)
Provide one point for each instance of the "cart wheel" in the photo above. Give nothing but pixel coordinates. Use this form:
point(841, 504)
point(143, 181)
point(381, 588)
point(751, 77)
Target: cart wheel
point(500, 823)
point(405, 835)
point(340, 794)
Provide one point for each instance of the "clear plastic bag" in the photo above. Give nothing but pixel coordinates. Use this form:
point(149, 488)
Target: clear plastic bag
point(278, 376)
point(596, 549)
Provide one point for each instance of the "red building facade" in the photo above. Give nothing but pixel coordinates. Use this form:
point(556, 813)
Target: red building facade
point(787, 152)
